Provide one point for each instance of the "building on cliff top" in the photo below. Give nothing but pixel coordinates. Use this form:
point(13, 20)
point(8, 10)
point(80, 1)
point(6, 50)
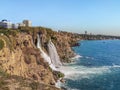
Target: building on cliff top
point(6, 24)
point(27, 23)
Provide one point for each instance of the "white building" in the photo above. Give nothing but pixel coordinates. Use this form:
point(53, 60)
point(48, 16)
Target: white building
point(21, 24)
point(14, 26)
point(5, 24)
point(27, 23)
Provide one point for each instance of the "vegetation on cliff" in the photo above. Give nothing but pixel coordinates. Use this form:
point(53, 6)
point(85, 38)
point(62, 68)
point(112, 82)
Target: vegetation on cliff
point(1, 44)
point(21, 61)
point(14, 82)
point(20, 58)
point(63, 41)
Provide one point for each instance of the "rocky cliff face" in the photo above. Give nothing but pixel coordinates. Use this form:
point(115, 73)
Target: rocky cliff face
point(22, 58)
point(19, 55)
point(62, 40)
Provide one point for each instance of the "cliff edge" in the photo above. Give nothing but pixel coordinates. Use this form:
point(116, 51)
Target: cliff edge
point(21, 61)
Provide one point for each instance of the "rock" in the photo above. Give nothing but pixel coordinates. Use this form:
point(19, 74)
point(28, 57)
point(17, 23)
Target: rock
point(19, 56)
point(52, 83)
point(62, 80)
point(76, 44)
point(63, 88)
point(35, 77)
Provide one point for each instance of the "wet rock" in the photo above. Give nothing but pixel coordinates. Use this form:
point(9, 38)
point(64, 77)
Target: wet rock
point(52, 83)
point(63, 80)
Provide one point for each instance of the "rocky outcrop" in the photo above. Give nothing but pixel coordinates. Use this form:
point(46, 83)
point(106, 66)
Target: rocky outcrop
point(62, 40)
point(24, 59)
point(20, 57)
point(19, 83)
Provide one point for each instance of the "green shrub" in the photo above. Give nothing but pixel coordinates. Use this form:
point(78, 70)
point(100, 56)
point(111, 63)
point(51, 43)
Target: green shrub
point(3, 73)
point(8, 32)
point(60, 75)
point(1, 44)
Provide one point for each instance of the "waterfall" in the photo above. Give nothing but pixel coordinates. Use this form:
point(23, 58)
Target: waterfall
point(44, 55)
point(53, 54)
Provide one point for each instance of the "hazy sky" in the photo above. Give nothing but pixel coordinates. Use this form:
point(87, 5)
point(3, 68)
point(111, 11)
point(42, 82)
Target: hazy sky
point(95, 16)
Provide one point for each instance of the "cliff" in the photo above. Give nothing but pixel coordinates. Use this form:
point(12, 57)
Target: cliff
point(62, 40)
point(21, 60)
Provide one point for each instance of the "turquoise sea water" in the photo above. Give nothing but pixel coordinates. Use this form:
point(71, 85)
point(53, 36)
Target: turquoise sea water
point(98, 68)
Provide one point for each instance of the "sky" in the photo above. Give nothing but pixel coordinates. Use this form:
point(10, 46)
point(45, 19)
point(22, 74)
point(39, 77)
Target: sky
point(93, 16)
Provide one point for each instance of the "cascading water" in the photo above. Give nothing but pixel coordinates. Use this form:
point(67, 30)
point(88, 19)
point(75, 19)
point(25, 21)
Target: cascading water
point(53, 60)
point(44, 55)
point(54, 55)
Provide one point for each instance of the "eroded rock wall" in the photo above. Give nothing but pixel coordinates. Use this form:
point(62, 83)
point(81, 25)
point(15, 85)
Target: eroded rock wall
point(24, 59)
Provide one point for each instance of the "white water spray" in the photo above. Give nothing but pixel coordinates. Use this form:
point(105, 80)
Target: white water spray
point(54, 55)
point(44, 55)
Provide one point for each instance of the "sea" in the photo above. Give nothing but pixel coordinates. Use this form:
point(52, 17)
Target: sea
point(96, 66)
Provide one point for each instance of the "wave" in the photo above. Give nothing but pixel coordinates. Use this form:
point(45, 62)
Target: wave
point(116, 66)
point(76, 56)
point(69, 70)
point(82, 72)
point(87, 57)
point(73, 72)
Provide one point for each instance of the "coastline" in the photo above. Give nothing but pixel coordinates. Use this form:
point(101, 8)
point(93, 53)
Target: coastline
point(89, 69)
point(21, 45)
point(59, 83)
point(65, 70)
